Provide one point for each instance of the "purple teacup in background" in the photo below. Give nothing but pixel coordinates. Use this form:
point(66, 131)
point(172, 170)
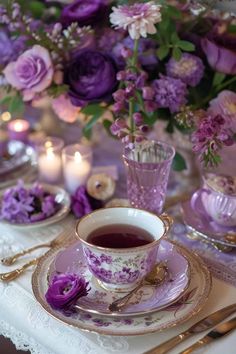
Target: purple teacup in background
point(148, 167)
point(121, 268)
point(218, 196)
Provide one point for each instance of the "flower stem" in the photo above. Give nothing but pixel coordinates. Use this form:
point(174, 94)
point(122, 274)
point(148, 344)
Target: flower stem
point(131, 101)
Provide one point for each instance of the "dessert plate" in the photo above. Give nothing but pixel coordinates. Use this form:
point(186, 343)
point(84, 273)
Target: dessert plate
point(197, 220)
point(63, 200)
point(186, 307)
point(148, 299)
point(17, 156)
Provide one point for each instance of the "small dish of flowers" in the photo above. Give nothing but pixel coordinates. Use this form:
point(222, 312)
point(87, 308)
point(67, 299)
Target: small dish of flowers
point(35, 205)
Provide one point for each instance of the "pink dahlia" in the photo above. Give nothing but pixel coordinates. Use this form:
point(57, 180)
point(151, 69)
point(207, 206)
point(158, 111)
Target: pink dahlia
point(138, 19)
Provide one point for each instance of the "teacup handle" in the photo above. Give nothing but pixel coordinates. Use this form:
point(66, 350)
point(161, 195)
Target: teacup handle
point(194, 198)
point(167, 220)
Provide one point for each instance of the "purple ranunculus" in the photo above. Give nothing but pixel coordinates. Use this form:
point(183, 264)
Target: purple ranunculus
point(65, 290)
point(189, 69)
point(220, 51)
point(80, 204)
point(31, 73)
point(85, 12)
point(91, 77)
point(170, 93)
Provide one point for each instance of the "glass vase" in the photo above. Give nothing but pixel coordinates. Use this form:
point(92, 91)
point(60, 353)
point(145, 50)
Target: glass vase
point(148, 167)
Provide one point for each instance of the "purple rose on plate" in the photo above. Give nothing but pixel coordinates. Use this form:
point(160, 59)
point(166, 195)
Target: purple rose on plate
point(85, 12)
point(91, 77)
point(31, 73)
point(64, 290)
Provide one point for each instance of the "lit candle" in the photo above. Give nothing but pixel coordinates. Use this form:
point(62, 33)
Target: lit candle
point(3, 142)
point(76, 169)
point(18, 129)
point(49, 159)
point(49, 165)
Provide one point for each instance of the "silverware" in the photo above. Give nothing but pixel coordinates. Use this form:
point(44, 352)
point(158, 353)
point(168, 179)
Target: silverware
point(208, 322)
point(193, 235)
point(220, 331)
point(154, 278)
point(17, 272)
point(63, 236)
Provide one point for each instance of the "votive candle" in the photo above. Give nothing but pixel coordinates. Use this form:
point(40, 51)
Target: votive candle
point(77, 164)
point(49, 159)
point(3, 142)
point(18, 129)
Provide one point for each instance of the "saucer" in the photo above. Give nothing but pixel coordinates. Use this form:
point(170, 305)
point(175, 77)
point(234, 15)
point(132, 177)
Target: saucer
point(184, 309)
point(205, 226)
point(63, 200)
point(147, 300)
point(16, 157)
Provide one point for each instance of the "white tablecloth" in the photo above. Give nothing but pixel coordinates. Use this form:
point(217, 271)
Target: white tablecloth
point(30, 327)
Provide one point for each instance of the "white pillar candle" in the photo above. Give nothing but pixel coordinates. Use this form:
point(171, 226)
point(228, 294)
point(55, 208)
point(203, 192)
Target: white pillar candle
point(49, 165)
point(76, 172)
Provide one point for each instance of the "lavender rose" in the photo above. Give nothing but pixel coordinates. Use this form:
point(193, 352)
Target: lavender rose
point(91, 77)
point(65, 290)
point(85, 12)
point(219, 47)
point(31, 73)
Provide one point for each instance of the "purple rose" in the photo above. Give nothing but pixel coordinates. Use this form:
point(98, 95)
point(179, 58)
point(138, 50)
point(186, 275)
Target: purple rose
point(91, 77)
point(220, 51)
point(65, 290)
point(85, 12)
point(31, 73)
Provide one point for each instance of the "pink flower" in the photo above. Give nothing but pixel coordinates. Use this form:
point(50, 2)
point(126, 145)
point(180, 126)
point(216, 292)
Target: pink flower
point(225, 105)
point(65, 110)
point(138, 19)
point(31, 73)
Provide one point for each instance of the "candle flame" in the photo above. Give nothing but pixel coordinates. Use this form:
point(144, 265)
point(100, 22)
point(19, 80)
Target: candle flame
point(19, 125)
point(50, 154)
point(78, 157)
point(48, 144)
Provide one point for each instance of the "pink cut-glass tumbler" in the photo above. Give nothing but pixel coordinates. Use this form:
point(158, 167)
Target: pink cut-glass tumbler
point(148, 167)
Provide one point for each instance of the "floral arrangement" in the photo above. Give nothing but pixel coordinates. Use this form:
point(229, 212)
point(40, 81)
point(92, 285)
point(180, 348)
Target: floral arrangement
point(27, 205)
point(64, 290)
point(125, 65)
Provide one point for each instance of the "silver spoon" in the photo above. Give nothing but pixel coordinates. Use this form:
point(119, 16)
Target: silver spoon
point(154, 278)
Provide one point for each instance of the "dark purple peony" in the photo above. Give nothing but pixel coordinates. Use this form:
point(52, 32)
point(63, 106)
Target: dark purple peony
point(220, 51)
point(65, 290)
point(91, 77)
point(84, 12)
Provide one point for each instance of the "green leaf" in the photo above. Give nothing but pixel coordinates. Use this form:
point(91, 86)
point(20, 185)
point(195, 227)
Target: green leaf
point(107, 125)
point(37, 8)
point(162, 52)
point(87, 130)
point(175, 38)
point(93, 109)
point(6, 101)
point(185, 45)
point(179, 163)
point(14, 104)
point(176, 53)
point(174, 12)
point(232, 28)
point(218, 79)
point(57, 90)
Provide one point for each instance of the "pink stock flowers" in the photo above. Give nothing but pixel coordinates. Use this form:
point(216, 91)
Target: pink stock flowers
point(138, 19)
point(211, 134)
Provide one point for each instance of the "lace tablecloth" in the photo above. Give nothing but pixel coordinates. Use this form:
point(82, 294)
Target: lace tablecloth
point(30, 327)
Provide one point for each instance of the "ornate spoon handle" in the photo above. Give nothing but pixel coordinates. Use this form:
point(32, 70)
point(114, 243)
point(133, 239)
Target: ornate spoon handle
point(17, 272)
point(10, 260)
point(118, 304)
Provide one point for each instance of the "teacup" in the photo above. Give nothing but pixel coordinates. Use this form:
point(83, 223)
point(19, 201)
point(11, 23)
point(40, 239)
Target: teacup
point(121, 269)
point(218, 196)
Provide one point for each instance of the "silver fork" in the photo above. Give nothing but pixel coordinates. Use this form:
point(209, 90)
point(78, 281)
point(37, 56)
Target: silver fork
point(63, 236)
